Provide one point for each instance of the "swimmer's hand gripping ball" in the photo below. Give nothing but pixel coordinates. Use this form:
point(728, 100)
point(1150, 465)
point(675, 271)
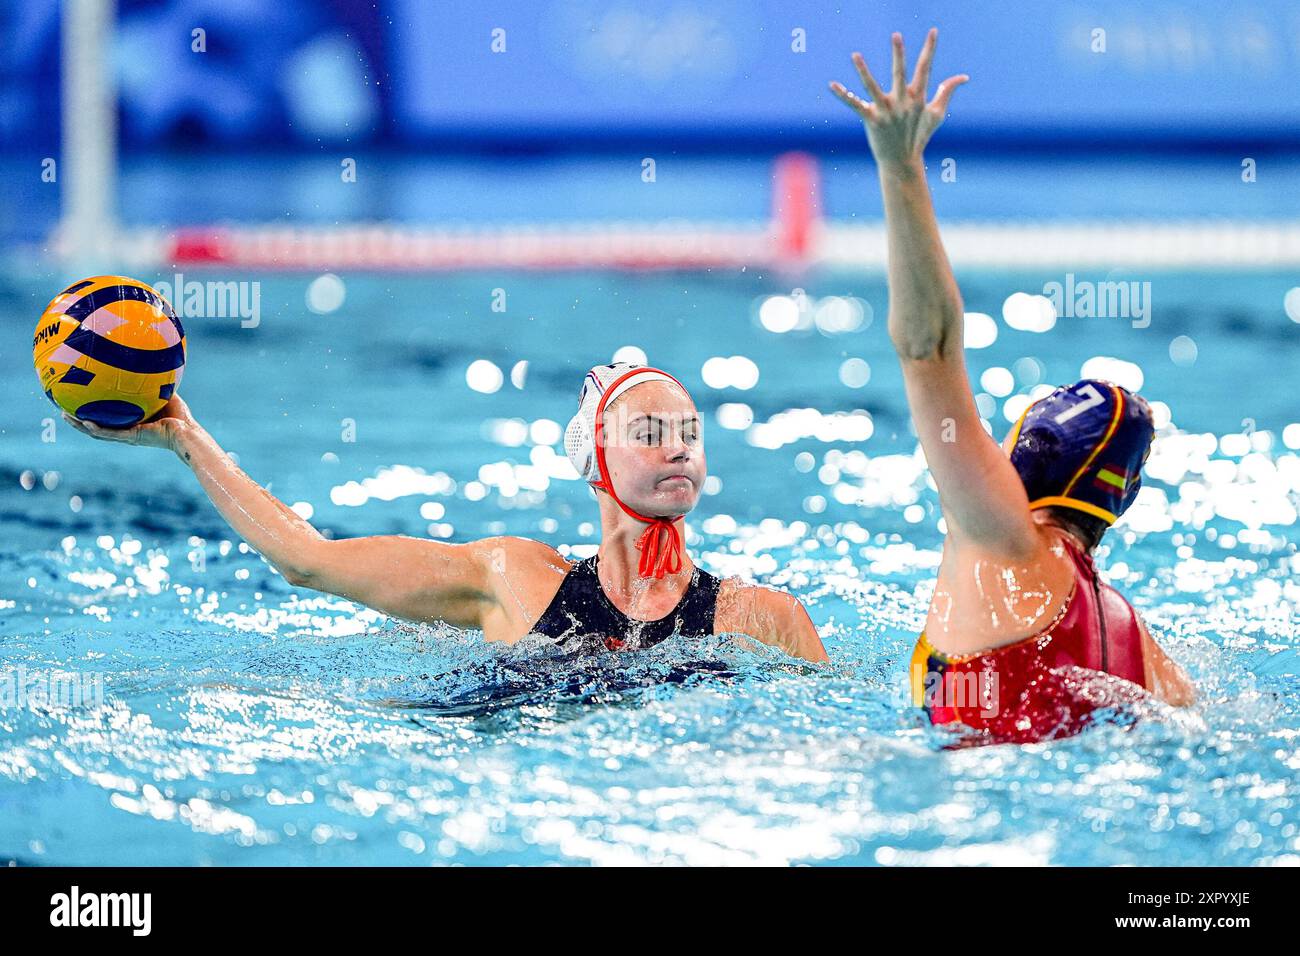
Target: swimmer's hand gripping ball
point(109, 350)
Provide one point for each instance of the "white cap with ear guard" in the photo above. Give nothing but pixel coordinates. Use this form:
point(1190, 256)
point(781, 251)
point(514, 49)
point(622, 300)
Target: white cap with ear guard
point(580, 435)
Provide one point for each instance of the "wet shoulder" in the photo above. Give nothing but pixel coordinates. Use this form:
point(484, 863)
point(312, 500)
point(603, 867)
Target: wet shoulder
point(754, 609)
point(523, 576)
point(528, 556)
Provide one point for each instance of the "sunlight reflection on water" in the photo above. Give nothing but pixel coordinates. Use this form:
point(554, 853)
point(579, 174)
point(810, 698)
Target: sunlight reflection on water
point(242, 721)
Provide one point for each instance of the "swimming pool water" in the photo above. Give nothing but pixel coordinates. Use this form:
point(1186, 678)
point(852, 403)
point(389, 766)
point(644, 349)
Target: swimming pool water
point(232, 719)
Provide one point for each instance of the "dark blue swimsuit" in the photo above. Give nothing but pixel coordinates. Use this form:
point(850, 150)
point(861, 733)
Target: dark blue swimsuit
point(581, 608)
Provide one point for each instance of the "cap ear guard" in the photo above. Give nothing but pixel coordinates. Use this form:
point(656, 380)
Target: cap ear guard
point(580, 446)
point(1032, 455)
point(580, 434)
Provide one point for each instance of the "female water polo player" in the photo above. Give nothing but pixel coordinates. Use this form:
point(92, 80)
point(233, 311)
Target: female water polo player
point(636, 431)
point(1020, 625)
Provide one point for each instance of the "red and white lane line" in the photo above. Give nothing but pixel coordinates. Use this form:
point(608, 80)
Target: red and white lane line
point(796, 238)
point(1209, 244)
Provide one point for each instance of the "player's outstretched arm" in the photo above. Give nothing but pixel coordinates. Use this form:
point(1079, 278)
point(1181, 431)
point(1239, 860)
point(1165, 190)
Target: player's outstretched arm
point(983, 499)
point(412, 578)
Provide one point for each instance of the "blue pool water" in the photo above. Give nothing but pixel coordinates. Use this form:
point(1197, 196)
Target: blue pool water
point(231, 719)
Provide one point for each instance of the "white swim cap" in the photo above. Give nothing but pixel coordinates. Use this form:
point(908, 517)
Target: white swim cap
point(580, 436)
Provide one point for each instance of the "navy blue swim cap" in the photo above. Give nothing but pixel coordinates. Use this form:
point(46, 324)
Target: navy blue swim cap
point(1083, 447)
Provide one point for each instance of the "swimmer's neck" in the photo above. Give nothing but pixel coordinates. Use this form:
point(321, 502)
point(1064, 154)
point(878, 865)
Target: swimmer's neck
point(618, 559)
point(1043, 518)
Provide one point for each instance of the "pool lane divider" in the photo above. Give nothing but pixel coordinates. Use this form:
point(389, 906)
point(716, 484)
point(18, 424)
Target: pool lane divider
point(795, 238)
point(786, 240)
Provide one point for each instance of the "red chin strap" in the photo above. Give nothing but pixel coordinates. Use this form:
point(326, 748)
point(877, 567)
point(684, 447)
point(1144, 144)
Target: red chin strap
point(660, 544)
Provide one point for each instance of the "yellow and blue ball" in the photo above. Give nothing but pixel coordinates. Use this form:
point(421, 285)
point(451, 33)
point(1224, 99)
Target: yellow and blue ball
point(109, 350)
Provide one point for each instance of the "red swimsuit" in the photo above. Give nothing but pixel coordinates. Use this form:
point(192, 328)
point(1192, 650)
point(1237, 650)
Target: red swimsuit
point(1035, 689)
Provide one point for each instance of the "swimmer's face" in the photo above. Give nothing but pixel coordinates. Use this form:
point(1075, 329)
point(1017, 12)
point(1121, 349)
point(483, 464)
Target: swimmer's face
point(654, 449)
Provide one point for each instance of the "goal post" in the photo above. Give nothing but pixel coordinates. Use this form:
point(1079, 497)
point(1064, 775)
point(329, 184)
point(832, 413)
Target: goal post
point(88, 150)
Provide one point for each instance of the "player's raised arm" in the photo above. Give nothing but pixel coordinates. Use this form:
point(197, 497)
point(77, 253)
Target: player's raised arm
point(982, 497)
point(408, 577)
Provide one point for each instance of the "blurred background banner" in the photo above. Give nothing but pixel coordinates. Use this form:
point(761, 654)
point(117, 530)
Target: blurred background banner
point(581, 73)
point(148, 130)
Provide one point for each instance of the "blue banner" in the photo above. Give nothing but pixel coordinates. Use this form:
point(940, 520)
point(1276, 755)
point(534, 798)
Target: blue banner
point(577, 72)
